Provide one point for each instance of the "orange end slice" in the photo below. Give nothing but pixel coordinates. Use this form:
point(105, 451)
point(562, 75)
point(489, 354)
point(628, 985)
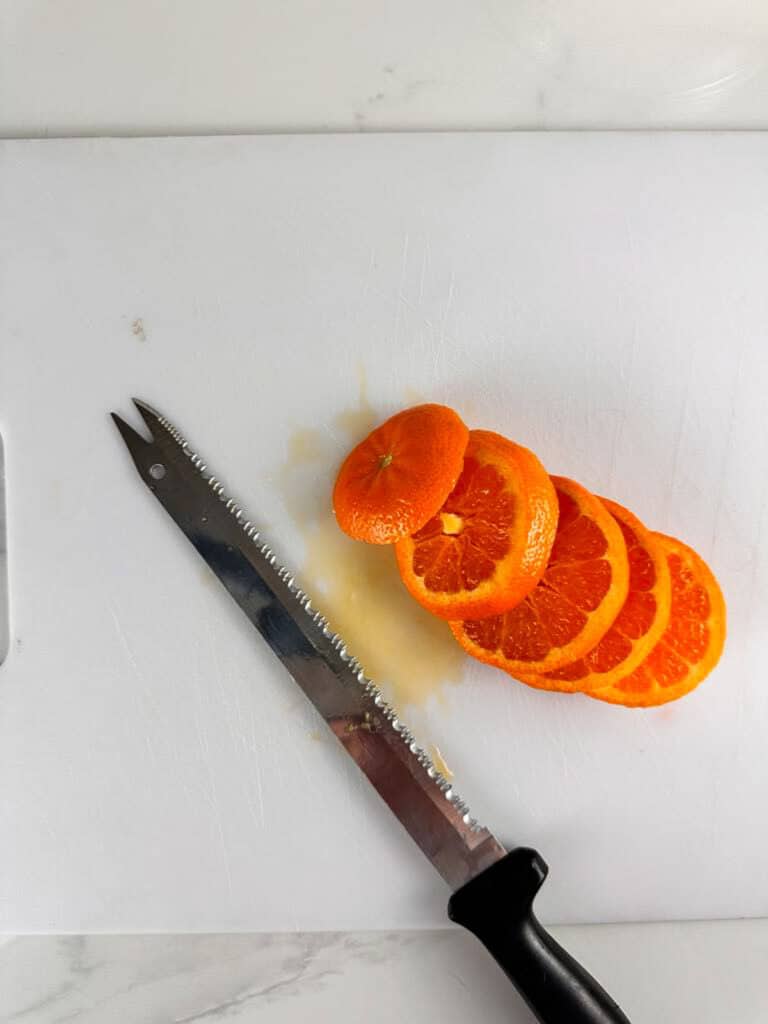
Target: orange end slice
point(692, 643)
point(574, 605)
point(638, 626)
point(395, 480)
point(488, 545)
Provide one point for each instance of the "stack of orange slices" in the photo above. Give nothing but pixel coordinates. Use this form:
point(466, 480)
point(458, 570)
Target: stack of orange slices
point(559, 588)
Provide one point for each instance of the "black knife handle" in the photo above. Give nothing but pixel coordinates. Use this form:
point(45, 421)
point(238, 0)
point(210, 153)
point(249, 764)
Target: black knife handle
point(497, 907)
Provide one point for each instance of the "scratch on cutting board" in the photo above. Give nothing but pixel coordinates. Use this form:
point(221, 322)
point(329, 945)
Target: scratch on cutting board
point(422, 278)
point(754, 576)
point(202, 739)
point(401, 285)
point(447, 310)
point(259, 793)
point(677, 444)
point(458, 978)
point(253, 789)
point(143, 694)
point(725, 462)
point(618, 433)
point(125, 642)
point(238, 738)
point(137, 329)
point(707, 90)
point(243, 735)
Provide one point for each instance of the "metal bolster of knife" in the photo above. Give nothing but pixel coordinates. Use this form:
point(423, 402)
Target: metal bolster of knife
point(497, 907)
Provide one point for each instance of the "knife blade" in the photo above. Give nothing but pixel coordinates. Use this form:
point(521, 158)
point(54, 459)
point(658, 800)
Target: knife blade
point(466, 854)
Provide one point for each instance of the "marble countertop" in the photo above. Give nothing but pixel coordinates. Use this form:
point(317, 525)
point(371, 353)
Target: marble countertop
point(149, 67)
point(699, 972)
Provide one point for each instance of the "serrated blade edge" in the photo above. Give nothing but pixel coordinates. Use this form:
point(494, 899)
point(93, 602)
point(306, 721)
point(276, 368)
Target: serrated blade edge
point(317, 657)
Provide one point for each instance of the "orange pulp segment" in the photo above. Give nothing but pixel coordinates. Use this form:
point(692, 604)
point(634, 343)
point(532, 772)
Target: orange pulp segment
point(580, 594)
point(488, 545)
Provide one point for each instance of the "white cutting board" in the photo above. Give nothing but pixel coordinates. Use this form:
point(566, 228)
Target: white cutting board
point(601, 298)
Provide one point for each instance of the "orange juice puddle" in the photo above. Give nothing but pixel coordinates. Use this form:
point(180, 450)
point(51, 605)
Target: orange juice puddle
point(403, 648)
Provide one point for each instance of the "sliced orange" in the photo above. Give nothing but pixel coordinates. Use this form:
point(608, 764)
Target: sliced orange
point(399, 476)
point(637, 627)
point(574, 605)
point(692, 643)
point(488, 545)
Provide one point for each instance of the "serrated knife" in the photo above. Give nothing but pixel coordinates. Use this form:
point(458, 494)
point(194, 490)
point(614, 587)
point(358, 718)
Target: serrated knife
point(493, 890)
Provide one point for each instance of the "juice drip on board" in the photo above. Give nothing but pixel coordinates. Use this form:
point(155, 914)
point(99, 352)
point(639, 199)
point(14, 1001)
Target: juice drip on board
point(357, 586)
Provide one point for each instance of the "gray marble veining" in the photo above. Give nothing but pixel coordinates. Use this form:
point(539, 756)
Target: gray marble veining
point(702, 972)
point(243, 978)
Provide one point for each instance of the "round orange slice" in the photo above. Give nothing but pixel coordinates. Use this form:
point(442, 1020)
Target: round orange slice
point(637, 627)
point(399, 476)
point(488, 545)
point(690, 646)
point(574, 605)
